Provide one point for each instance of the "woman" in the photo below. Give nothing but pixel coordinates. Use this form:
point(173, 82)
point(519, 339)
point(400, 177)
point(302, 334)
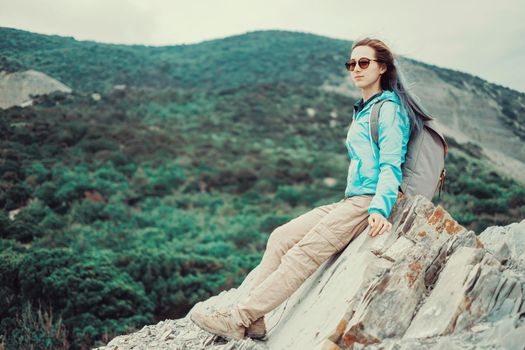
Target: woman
point(296, 249)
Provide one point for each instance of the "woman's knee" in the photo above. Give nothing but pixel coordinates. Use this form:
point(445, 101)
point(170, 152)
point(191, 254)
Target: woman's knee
point(285, 236)
point(279, 241)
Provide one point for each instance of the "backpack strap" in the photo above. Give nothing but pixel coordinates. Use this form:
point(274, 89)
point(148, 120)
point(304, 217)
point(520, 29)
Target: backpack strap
point(374, 125)
point(374, 121)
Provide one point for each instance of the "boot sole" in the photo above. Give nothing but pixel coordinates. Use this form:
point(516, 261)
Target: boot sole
point(255, 335)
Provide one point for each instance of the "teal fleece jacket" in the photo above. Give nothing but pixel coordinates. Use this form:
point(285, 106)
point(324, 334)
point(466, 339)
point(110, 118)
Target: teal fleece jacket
point(374, 170)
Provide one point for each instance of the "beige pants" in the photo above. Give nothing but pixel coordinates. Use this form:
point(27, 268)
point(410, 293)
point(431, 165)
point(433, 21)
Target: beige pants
point(296, 249)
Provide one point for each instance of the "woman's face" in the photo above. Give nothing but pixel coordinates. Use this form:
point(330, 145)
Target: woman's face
point(364, 78)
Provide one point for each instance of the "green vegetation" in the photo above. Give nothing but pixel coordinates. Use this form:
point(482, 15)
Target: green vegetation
point(132, 208)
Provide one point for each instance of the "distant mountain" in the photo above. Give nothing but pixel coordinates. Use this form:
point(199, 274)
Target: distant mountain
point(469, 109)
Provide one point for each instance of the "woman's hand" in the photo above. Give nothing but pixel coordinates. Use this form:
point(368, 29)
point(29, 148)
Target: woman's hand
point(378, 224)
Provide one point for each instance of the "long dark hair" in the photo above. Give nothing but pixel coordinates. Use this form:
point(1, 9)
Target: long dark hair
point(393, 80)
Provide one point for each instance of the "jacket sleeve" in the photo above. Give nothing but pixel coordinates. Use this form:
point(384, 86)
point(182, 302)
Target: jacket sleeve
point(393, 132)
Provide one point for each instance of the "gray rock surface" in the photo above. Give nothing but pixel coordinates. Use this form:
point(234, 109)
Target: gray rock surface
point(16, 88)
point(428, 284)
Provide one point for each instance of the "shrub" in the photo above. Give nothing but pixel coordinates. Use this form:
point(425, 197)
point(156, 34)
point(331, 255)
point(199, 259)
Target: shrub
point(36, 329)
point(88, 293)
point(288, 194)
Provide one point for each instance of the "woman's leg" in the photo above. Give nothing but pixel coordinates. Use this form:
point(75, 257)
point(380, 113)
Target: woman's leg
point(330, 235)
point(284, 237)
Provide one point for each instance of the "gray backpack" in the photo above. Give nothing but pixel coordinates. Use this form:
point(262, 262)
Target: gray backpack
point(424, 167)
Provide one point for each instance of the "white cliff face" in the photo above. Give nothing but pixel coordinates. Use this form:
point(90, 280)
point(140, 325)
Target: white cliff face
point(429, 284)
point(16, 88)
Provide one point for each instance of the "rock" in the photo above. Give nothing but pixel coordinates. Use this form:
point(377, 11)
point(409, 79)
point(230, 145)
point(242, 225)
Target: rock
point(16, 88)
point(511, 235)
point(329, 181)
point(13, 213)
point(310, 112)
point(429, 283)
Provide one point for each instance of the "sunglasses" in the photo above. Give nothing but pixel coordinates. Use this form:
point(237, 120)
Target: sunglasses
point(363, 63)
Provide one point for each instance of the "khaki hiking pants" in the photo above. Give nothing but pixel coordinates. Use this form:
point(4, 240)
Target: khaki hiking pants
point(296, 249)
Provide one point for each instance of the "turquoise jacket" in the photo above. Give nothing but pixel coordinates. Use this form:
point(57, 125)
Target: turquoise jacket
point(374, 170)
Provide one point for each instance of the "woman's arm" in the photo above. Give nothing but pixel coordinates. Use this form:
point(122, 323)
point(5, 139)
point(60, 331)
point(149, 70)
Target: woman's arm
point(393, 132)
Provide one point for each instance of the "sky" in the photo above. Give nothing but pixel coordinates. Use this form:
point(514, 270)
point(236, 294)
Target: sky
point(465, 35)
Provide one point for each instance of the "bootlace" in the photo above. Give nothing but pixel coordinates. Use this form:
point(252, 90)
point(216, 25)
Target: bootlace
point(284, 308)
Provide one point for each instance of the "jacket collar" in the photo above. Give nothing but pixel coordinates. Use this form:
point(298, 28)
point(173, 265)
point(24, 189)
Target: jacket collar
point(361, 105)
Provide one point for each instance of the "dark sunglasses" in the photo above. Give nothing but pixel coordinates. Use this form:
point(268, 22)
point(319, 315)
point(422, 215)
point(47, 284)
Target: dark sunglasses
point(363, 63)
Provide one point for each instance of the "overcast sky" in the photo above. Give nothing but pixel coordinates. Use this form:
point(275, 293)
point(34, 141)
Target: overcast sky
point(484, 38)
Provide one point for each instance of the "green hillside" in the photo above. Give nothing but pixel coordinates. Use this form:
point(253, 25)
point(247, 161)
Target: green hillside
point(240, 60)
point(138, 205)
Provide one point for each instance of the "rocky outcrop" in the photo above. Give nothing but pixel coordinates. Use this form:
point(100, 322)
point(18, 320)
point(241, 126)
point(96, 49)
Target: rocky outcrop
point(428, 284)
point(16, 88)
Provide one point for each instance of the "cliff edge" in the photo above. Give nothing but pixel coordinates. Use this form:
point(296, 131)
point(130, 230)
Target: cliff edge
point(428, 284)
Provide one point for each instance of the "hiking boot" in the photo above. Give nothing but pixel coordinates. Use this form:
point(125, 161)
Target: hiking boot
point(257, 329)
point(219, 323)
